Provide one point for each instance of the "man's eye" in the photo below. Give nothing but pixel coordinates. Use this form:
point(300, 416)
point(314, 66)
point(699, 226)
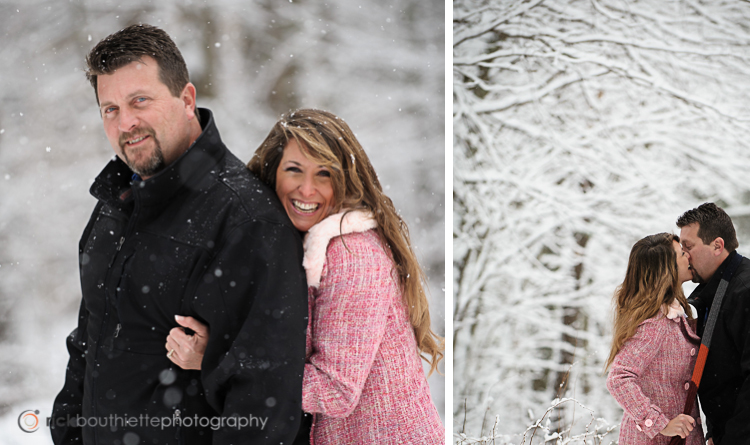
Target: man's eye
point(109, 109)
point(141, 99)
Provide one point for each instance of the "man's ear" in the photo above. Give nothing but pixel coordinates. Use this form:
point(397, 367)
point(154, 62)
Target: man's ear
point(188, 98)
point(717, 246)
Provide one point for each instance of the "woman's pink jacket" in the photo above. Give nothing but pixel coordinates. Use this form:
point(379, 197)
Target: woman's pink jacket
point(648, 379)
point(363, 377)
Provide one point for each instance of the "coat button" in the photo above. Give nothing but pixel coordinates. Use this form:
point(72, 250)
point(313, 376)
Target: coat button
point(692, 352)
point(649, 423)
point(687, 386)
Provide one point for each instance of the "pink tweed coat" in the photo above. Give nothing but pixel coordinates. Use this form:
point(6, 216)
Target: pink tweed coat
point(363, 377)
point(648, 379)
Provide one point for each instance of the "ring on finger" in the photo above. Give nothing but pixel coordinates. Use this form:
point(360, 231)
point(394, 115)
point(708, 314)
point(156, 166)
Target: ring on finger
point(169, 354)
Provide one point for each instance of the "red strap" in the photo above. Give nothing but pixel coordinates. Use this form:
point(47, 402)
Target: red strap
point(689, 401)
point(700, 363)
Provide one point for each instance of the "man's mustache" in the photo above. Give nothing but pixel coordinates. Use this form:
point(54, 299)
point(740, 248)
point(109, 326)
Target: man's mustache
point(125, 137)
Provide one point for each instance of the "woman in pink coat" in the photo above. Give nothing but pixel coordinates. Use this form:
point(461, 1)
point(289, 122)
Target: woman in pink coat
point(369, 318)
point(654, 347)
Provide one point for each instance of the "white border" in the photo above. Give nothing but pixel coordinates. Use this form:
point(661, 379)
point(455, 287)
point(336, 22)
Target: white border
point(448, 222)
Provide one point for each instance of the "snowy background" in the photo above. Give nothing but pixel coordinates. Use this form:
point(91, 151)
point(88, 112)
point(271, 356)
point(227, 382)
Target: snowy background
point(580, 126)
point(377, 64)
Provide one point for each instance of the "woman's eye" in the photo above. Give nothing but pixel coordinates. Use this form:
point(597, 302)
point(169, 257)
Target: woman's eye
point(293, 169)
point(325, 173)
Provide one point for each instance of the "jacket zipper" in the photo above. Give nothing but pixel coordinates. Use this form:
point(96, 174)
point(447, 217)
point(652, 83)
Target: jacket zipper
point(117, 332)
point(114, 257)
point(128, 227)
point(104, 323)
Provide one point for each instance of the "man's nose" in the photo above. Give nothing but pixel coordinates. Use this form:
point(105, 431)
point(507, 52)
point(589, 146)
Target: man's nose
point(127, 120)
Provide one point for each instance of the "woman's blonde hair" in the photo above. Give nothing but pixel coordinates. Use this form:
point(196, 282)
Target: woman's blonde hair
point(327, 140)
point(652, 279)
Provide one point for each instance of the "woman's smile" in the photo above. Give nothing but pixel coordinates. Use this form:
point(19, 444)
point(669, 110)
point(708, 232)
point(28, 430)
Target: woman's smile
point(303, 187)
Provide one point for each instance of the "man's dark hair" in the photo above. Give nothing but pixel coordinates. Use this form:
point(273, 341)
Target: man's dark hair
point(130, 45)
point(713, 222)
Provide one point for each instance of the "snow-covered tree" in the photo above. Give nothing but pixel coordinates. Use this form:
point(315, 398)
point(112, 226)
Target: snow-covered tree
point(580, 126)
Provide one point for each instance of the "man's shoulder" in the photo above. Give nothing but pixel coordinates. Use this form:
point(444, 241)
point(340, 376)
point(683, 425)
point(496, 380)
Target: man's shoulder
point(743, 272)
point(739, 285)
point(250, 197)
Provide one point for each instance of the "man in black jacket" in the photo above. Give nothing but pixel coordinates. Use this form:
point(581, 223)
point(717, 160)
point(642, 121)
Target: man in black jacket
point(709, 238)
point(180, 228)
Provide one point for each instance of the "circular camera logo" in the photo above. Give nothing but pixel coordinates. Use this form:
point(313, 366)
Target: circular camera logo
point(28, 421)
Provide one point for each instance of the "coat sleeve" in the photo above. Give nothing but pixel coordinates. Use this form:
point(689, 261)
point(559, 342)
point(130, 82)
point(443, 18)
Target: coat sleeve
point(349, 320)
point(253, 296)
point(635, 356)
point(68, 403)
point(737, 427)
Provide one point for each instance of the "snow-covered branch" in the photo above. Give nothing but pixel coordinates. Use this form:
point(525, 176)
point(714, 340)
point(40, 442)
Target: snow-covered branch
point(580, 126)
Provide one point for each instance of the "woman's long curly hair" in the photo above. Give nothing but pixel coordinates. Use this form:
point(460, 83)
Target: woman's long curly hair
point(328, 140)
point(652, 280)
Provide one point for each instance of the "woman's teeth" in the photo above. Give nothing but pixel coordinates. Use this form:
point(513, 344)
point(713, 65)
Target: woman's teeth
point(305, 207)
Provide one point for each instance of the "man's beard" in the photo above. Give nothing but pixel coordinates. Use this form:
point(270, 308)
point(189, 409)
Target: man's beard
point(153, 165)
point(696, 278)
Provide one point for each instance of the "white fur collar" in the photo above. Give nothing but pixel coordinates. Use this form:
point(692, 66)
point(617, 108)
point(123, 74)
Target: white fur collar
point(674, 310)
point(317, 238)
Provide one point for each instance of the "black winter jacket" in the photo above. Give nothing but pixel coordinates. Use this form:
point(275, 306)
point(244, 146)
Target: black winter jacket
point(724, 390)
point(203, 238)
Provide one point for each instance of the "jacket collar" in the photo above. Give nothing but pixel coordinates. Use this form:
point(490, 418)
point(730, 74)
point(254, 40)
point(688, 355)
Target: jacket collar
point(704, 294)
point(317, 238)
point(115, 187)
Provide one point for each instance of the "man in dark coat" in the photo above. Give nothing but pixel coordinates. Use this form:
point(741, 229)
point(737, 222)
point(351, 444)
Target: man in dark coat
point(180, 228)
point(709, 238)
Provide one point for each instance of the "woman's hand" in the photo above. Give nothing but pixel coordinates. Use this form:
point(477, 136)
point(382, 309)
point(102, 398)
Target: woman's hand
point(186, 351)
point(681, 426)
